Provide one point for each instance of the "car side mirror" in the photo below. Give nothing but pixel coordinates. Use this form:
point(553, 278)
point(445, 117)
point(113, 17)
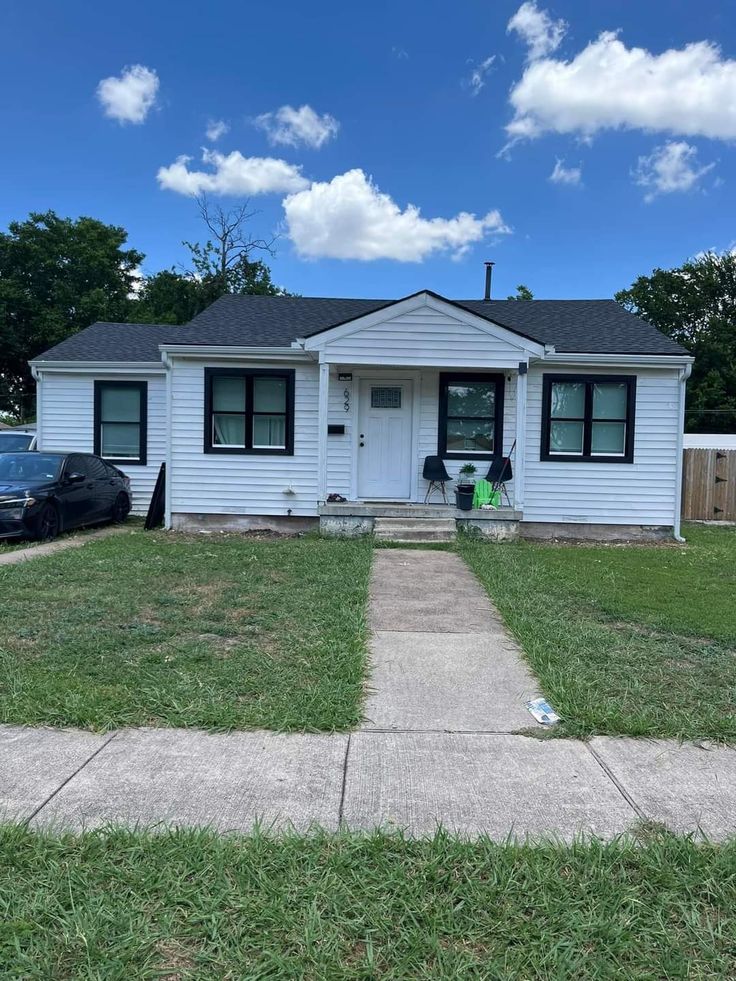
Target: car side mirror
point(75, 478)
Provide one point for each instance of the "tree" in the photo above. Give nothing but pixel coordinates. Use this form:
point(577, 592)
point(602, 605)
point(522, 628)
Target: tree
point(167, 297)
point(224, 263)
point(57, 275)
point(695, 305)
point(522, 293)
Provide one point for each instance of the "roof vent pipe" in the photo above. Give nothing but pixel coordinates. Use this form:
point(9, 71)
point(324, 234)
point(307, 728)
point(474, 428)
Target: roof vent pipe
point(489, 274)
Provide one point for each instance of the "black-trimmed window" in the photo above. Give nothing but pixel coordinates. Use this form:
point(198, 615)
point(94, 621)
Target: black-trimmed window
point(121, 421)
point(249, 410)
point(470, 416)
point(588, 418)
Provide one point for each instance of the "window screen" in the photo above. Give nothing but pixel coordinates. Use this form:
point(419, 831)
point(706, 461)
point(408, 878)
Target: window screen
point(471, 416)
point(589, 418)
point(249, 411)
point(120, 421)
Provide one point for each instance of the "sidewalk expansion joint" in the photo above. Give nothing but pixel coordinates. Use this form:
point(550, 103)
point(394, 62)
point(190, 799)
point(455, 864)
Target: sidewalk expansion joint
point(616, 782)
point(344, 783)
point(63, 784)
point(453, 732)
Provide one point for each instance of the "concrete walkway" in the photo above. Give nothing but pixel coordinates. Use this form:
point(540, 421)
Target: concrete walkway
point(439, 746)
point(440, 657)
point(36, 551)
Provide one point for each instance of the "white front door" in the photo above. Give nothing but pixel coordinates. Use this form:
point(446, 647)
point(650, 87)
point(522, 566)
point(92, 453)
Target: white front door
point(384, 440)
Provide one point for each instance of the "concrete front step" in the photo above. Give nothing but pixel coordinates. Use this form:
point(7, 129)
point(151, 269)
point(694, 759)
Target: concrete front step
point(415, 529)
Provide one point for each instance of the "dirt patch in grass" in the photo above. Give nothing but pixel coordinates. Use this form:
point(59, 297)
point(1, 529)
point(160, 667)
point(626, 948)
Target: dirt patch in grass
point(175, 960)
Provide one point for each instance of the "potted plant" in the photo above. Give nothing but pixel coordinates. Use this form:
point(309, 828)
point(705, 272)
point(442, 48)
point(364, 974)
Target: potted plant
point(465, 487)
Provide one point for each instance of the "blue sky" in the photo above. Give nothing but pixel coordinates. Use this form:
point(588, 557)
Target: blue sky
point(409, 103)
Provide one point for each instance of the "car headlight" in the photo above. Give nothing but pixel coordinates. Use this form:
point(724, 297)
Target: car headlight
point(15, 503)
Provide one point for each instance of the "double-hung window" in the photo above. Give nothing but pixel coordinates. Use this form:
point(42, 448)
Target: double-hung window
point(470, 416)
point(249, 410)
point(120, 421)
point(588, 418)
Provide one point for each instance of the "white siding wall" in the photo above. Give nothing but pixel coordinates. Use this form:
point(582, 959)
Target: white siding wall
point(339, 448)
point(66, 416)
point(425, 337)
point(643, 492)
point(211, 483)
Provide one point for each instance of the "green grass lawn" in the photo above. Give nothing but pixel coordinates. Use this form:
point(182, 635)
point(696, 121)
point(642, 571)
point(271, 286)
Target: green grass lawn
point(215, 631)
point(637, 640)
point(190, 905)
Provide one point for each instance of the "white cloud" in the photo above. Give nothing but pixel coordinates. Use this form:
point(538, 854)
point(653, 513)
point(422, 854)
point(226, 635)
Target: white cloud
point(477, 78)
point(215, 129)
point(718, 253)
point(670, 168)
point(690, 91)
point(565, 175)
point(130, 96)
point(349, 218)
point(232, 173)
point(536, 28)
point(295, 127)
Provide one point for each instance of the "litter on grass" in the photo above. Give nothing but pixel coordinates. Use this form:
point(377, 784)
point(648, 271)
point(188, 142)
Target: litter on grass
point(543, 712)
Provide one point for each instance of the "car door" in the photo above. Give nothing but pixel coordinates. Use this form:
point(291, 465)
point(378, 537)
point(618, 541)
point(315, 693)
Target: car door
point(74, 497)
point(99, 490)
point(105, 485)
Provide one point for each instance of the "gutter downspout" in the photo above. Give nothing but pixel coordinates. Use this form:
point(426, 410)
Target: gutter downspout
point(38, 376)
point(167, 456)
point(684, 375)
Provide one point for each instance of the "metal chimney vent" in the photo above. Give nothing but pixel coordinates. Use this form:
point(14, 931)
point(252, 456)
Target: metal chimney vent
point(489, 273)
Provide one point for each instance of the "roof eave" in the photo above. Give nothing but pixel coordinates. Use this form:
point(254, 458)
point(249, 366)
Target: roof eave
point(613, 357)
point(131, 366)
point(234, 351)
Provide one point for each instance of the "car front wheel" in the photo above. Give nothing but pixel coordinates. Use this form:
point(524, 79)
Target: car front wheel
point(48, 524)
point(120, 509)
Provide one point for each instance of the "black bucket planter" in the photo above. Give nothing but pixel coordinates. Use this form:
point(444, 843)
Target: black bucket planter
point(464, 496)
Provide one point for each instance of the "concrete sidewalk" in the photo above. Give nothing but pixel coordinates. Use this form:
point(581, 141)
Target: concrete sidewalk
point(471, 783)
point(440, 746)
point(72, 540)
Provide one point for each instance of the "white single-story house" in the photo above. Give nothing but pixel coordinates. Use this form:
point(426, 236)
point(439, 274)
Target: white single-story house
point(263, 407)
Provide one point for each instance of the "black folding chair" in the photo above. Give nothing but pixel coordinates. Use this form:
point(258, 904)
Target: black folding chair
point(499, 473)
point(436, 473)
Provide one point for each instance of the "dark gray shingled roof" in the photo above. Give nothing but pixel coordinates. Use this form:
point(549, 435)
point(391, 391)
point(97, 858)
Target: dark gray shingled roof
point(585, 326)
point(113, 342)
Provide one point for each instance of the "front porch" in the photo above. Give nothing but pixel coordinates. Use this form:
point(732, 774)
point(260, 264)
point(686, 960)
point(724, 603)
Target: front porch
point(418, 522)
point(424, 379)
point(378, 425)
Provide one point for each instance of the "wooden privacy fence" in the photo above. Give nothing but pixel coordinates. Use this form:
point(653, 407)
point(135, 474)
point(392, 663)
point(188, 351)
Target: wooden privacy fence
point(709, 485)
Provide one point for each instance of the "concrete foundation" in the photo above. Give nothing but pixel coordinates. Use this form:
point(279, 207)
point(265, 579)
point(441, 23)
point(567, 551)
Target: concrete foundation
point(490, 530)
point(354, 521)
point(280, 523)
point(573, 532)
point(345, 525)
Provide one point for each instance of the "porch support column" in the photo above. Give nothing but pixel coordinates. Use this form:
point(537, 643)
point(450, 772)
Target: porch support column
point(324, 388)
point(519, 461)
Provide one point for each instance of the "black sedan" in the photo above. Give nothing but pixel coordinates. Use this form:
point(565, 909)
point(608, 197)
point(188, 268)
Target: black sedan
point(42, 494)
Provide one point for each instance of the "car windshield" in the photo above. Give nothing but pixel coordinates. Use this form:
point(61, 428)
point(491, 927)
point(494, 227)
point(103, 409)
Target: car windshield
point(15, 441)
point(18, 468)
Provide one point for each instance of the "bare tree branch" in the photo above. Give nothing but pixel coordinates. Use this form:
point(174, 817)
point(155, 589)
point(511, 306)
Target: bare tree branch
point(231, 242)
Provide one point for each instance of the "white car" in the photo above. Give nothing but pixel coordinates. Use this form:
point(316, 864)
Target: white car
point(18, 440)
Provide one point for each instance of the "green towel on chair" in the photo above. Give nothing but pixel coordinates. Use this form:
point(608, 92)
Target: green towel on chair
point(484, 494)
